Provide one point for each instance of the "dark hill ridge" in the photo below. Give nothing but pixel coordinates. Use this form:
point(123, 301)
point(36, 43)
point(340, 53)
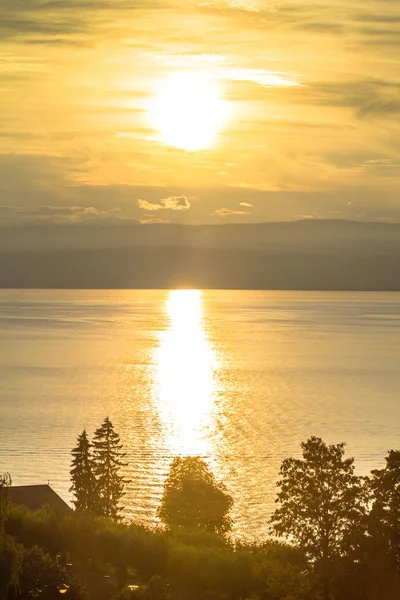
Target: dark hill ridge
point(306, 236)
point(308, 255)
point(173, 267)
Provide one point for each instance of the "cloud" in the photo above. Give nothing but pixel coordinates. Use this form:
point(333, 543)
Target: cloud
point(58, 21)
point(386, 108)
point(223, 68)
point(303, 123)
point(154, 221)
point(227, 212)
point(53, 214)
point(170, 203)
point(252, 6)
point(368, 97)
point(261, 77)
point(249, 5)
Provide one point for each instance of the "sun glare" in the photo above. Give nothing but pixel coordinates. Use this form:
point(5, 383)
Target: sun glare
point(185, 375)
point(188, 111)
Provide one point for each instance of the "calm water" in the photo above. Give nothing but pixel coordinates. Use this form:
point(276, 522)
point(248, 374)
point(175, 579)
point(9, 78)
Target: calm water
point(238, 377)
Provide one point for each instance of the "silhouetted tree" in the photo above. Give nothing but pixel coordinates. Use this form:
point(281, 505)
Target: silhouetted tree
point(385, 489)
point(193, 498)
point(322, 503)
point(107, 462)
point(10, 553)
point(5, 501)
point(5, 484)
point(376, 564)
point(84, 485)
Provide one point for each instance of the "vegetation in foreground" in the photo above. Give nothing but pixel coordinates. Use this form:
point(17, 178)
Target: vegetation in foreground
point(342, 530)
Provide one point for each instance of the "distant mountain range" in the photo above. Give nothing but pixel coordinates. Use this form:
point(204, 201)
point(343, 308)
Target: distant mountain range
point(308, 254)
point(309, 235)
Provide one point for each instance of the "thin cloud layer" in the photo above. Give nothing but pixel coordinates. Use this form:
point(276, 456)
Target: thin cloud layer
point(52, 214)
point(229, 212)
point(313, 91)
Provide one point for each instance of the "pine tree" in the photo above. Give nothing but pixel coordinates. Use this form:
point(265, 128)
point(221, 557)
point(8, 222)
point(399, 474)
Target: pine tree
point(107, 461)
point(82, 477)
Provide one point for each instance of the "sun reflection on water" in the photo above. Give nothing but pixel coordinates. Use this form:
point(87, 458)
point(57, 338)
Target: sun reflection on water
point(185, 368)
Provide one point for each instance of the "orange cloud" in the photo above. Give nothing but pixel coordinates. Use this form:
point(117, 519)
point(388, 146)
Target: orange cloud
point(170, 203)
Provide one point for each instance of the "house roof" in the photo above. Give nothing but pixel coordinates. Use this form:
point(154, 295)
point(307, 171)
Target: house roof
point(37, 496)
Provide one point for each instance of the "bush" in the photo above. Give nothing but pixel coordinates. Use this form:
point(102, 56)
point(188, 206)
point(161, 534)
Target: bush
point(10, 564)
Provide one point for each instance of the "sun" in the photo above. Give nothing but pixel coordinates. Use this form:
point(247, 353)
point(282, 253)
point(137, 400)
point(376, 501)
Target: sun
point(188, 111)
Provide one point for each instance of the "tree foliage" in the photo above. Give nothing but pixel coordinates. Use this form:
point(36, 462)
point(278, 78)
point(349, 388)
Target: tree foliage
point(107, 462)
point(84, 485)
point(10, 555)
point(322, 504)
point(10, 564)
point(193, 498)
point(385, 488)
point(5, 484)
point(97, 483)
point(42, 577)
point(323, 512)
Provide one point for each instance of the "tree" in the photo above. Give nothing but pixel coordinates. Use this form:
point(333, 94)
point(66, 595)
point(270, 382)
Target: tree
point(10, 564)
point(385, 488)
point(156, 589)
point(193, 498)
point(5, 484)
point(43, 577)
point(322, 504)
point(107, 461)
point(10, 554)
point(83, 480)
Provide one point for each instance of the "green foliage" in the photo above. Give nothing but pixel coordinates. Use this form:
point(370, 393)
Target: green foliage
point(337, 550)
point(9, 551)
point(385, 489)
point(193, 498)
point(107, 462)
point(43, 577)
point(10, 564)
point(156, 589)
point(199, 571)
point(40, 572)
point(197, 564)
point(108, 545)
point(84, 485)
point(280, 571)
point(322, 503)
point(5, 484)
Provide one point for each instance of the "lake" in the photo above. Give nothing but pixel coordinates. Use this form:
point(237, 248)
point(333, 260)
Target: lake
point(241, 378)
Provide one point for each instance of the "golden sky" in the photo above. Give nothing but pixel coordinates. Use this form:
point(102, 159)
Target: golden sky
point(199, 112)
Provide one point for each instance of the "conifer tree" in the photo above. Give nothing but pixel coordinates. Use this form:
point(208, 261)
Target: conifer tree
point(107, 461)
point(82, 477)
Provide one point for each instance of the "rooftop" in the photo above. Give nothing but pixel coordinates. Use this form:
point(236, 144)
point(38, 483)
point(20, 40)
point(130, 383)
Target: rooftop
point(37, 496)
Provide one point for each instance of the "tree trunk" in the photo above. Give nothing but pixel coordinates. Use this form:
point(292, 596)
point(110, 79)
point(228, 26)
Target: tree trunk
point(325, 576)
